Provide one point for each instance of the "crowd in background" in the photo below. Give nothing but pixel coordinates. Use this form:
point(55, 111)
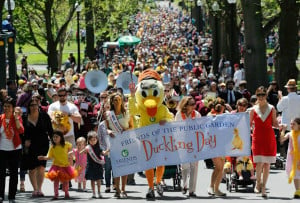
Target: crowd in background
point(171, 45)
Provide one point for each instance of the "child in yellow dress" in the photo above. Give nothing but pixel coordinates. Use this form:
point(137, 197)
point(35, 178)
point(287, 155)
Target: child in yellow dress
point(61, 170)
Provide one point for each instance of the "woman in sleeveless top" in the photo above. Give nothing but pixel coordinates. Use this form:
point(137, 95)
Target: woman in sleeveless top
point(263, 117)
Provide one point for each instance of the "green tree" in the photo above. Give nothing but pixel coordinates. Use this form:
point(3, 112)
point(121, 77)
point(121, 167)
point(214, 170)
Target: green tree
point(40, 22)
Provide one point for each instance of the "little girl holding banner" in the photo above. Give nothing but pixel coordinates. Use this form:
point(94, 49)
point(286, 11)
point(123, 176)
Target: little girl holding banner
point(95, 160)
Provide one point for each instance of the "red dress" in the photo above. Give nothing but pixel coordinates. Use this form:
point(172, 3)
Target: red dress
point(263, 138)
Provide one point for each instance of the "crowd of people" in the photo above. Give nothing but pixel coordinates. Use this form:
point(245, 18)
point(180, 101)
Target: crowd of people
point(56, 117)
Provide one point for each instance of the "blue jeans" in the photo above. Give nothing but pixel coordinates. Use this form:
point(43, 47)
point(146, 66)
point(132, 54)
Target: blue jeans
point(108, 171)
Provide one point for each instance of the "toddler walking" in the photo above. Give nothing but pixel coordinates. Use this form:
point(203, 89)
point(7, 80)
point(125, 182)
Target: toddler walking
point(80, 163)
point(60, 171)
point(95, 161)
point(293, 154)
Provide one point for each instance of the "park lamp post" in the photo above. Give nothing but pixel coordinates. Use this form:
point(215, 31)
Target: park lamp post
point(215, 52)
point(10, 6)
point(78, 10)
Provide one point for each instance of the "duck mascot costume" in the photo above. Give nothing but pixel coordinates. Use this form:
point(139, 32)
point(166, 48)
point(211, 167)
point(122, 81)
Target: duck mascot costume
point(146, 101)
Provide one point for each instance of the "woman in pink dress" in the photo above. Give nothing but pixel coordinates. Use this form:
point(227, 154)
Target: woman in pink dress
point(263, 118)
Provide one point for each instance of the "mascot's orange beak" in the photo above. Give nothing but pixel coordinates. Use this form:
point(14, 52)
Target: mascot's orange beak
point(151, 106)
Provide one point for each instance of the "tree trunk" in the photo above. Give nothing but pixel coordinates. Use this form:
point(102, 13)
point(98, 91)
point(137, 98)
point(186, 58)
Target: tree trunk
point(90, 38)
point(255, 47)
point(52, 57)
point(51, 45)
point(229, 38)
point(289, 42)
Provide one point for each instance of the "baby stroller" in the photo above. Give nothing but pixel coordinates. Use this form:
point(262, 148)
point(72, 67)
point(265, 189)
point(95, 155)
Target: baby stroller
point(232, 178)
point(173, 172)
point(281, 152)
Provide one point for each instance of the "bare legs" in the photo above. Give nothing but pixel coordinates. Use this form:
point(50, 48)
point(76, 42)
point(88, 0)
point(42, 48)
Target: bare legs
point(98, 187)
point(117, 183)
point(36, 177)
point(217, 174)
point(264, 169)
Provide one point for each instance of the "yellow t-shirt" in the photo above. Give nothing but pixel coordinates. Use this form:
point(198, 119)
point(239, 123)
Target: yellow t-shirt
point(59, 154)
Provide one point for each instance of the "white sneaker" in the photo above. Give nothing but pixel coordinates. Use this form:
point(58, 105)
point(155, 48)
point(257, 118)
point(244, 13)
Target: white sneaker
point(241, 178)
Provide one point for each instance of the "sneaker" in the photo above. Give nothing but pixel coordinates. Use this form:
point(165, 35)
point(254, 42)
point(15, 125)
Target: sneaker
point(160, 189)
point(94, 196)
point(220, 194)
point(99, 195)
point(150, 194)
point(210, 191)
point(192, 194)
point(107, 190)
point(241, 178)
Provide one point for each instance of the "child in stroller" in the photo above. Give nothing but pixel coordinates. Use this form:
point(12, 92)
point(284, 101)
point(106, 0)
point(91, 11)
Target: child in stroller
point(239, 171)
point(244, 164)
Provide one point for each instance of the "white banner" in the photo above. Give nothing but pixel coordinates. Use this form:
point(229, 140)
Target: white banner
point(180, 142)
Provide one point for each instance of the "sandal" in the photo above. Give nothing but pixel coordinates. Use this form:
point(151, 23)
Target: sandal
point(40, 194)
point(263, 192)
point(35, 194)
point(117, 195)
point(124, 194)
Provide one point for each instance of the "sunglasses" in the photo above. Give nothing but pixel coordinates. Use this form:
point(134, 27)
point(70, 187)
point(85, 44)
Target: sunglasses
point(261, 95)
point(62, 95)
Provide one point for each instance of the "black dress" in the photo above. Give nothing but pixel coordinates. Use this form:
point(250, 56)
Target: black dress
point(94, 171)
point(38, 135)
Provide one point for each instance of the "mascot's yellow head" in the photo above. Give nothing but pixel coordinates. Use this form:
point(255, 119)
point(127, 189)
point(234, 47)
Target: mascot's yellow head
point(149, 92)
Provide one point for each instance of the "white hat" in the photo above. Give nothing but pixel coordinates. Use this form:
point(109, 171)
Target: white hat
point(227, 62)
point(196, 64)
point(195, 80)
point(210, 75)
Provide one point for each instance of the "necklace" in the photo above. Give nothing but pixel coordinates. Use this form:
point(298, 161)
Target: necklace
point(7, 125)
